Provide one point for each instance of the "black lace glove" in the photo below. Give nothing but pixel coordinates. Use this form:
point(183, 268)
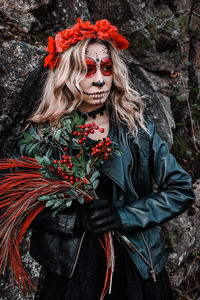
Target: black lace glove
point(102, 217)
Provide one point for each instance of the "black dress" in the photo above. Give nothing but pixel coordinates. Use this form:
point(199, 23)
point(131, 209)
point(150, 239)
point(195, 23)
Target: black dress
point(88, 279)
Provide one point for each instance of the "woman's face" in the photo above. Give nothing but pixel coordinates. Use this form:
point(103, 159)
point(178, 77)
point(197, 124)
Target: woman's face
point(96, 85)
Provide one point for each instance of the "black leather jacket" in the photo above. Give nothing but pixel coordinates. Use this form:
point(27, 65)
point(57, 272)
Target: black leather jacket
point(55, 244)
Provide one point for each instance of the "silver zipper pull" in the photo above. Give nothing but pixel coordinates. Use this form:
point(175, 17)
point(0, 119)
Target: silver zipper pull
point(153, 274)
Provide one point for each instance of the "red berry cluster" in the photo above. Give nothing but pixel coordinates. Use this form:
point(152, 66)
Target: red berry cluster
point(102, 149)
point(68, 177)
point(85, 130)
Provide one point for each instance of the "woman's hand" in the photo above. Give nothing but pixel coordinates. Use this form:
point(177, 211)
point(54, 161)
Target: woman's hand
point(103, 217)
point(98, 217)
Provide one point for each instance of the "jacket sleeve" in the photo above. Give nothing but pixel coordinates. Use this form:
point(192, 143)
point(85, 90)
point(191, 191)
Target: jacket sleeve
point(175, 193)
point(63, 222)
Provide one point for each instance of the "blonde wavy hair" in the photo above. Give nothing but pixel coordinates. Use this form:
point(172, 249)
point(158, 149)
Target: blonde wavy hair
point(62, 93)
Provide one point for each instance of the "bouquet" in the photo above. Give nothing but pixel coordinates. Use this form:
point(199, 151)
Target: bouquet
point(41, 180)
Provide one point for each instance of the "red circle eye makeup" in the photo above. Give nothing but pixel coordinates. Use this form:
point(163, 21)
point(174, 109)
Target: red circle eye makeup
point(91, 67)
point(105, 67)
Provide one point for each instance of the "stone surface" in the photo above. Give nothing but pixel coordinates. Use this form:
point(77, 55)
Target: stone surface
point(32, 268)
point(20, 12)
point(183, 239)
point(17, 60)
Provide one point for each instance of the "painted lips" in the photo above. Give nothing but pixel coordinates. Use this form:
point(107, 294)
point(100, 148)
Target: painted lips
point(97, 95)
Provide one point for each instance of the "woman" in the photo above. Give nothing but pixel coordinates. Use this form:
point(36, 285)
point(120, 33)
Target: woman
point(87, 74)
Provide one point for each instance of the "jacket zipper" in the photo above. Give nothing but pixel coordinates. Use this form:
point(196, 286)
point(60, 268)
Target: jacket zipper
point(153, 273)
point(133, 248)
point(77, 254)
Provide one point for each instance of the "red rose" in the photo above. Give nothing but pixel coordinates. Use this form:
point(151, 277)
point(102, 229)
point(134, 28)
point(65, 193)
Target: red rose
point(76, 29)
point(88, 34)
point(62, 38)
point(103, 35)
point(80, 31)
point(121, 41)
point(102, 24)
point(86, 25)
point(112, 29)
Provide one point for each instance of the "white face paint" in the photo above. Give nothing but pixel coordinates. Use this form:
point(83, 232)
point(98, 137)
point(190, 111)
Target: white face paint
point(96, 85)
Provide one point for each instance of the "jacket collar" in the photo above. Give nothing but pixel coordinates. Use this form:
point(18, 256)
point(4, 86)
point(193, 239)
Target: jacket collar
point(117, 168)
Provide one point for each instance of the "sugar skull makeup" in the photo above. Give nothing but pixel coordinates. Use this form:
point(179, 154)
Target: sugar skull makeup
point(105, 66)
point(96, 84)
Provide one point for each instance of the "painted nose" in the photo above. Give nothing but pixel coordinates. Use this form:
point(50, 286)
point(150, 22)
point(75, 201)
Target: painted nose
point(98, 79)
point(99, 83)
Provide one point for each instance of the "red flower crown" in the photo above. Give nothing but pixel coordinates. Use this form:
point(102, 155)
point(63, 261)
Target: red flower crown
point(102, 30)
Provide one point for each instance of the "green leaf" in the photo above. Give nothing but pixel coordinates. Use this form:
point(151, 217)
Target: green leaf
point(50, 202)
point(22, 142)
point(75, 161)
point(76, 117)
point(87, 186)
point(81, 200)
point(44, 198)
point(54, 196)
point(88, 166)
point(68, 203)
point(46, 175)
point(31, 147)
point(75, 143)
point(63, 141)
point(68, 126)
point(95, 175)
point(57, 134)
point(65, 168)
point(34, 133)
point(42, 149)
point(82, 160)
point(60, 195)
point(97, 163)
point(46, 160)
point(65, 135)
point(39, 159)
point(49, 153)
point(82, 174)
point(95, 184)
point(81, 121)
point(74, 170)
point(57, 204)
point(53, 213)
point(28, 137)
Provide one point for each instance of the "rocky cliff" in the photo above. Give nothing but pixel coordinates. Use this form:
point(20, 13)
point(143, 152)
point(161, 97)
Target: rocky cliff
point(164, 63)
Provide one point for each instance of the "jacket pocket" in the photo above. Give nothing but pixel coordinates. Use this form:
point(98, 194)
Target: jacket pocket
point(155, 240)
point(62, 223)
